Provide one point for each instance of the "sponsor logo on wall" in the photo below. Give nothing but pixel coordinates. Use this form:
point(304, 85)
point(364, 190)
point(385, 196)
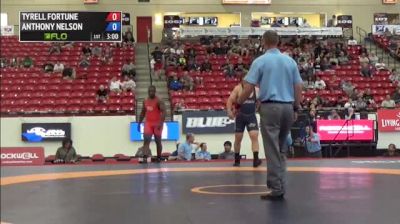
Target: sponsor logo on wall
point(172, 21)
point(19, 156)
point(126, 19)
point(39, 132)
point(207, 122)
point(389, 120)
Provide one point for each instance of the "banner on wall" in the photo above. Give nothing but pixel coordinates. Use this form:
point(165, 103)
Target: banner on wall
point(22, 156)
point(389, 120)
point(381, 18)
point(345, 130)
point(172, 21)
point(246, 31)
point(345, 21)
point(7, 31)
point(39, 132)
point(126, 19)
point(207, 122)
point(380, 29)
point(170, 131)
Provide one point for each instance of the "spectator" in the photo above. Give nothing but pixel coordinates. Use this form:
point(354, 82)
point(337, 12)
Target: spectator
point(27, 62)
point(364, 59)
point(312, 143)
point(115, 85)
point(219, 50)
point(275, 23)
point(395, 76)
point(343, 59)
point(396, 96)
point(66, 153)
point(380, 65)
point(240, 67)
point(69, 73)
point(102, 94)
point(333, 61)
point(228, 153)
point(230, 71)
point(86, 50)
point(175, 84)
point(180, 105)
point(331, 22)
point(192, 66)
point(58, 67)
point(128, 37)
point(373, 59)
point(366, 70)
point(84, 62)
point(305, 24)
point(368, 98)
point(334, 115)
point(188, 82)
point(391, 152)
point(48, 67)
point(129, 69)
point(352, 41)
point(206, 66)
point(388, 102)
point(97, 51)
point(319, 83)
point(3, 62)
point(349, 104)
point(55, 48)
point(350, 114)
point(181, 60)
point(203, 154)
point(360, 104)
point(185, 149)
point(347, 87)
point(128, 84)
point(325, 64)
point(14, 62)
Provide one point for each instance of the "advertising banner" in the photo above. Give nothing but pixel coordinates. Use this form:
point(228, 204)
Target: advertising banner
point(39, 132)
point(389, 120)
point(346, 130)
point(172, 21)
point(380, 29)
point(246, 31)
point(126, 19)
point(170, 132)
point(7, 30)
point(207, 122)
point(22, 156)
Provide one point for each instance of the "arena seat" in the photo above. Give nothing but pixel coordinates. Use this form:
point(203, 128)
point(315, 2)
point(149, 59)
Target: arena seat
point(97, 158)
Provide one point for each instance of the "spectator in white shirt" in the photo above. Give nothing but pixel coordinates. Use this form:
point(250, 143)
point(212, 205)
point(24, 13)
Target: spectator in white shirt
point(128, 84)
point(349, 104)
point(319, 83)
point(364, 58)
point(373, 59)
point(305, 24)
point(58, 67)
point(115, 85)
point(380, 65)
point(351, 41)
point(388, 102)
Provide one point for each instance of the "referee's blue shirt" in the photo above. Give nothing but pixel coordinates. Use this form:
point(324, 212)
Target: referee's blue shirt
point(276, 73)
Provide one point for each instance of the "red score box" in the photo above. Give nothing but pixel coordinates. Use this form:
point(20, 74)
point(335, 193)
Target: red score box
point(22, 156)
point(113, 16)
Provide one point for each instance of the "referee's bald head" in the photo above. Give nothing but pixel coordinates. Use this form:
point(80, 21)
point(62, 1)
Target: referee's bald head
point(271, 38)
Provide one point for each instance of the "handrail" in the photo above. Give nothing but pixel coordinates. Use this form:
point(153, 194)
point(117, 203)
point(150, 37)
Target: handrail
point(148, 56)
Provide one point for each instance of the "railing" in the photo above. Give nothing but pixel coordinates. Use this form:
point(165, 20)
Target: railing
point(148, 56)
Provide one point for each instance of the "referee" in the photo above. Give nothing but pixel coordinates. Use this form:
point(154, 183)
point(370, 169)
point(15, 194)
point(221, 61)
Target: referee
point(280, 95)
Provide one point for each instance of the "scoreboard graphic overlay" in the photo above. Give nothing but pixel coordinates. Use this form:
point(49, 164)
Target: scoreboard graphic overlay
point(70, 26)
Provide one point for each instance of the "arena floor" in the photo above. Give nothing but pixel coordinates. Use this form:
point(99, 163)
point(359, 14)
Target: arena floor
point(336, 191)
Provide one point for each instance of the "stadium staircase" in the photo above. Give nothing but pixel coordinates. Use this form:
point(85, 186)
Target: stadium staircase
point(144, 79)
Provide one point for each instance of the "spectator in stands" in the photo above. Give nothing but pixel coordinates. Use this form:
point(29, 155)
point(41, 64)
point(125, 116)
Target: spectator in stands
point(27, 62)
point(350, 114)
point(395, 76)
point(396, 96)
point(380, 65)
point(48, 67)
point(391, 152)
point(128, 84)
point(388, 102)
point(230, 71)
point(343, 59)
point(311, 119)
point(366, 70)
point(347, 87)
point(360, 104)
point(373, 59)
point(14, 62)
point(219, 50)
point(228, 153)
point(84, 62)
point(3, 62)
point(305, 24)
point(55, 48)
point(319, 83)
point(191, 54)
point(86, 50)
point(325, 64)
point(180, 105)
point(188, 82)
point(334, 115)
point(58, 67)
point(349, 103)
point(275, 23)
point(185, 149)
point(129, 69)
point(191, 66)
point(203, 154)
point(175, 84)
point(317, 65)
point(364, 59)
point(331, 22)
point(66, 153)
point(240, 67)
point(69, 73)
point(368, 98)
point(352, 41)
point(181, 61)
point(97, 51)
point(206, 66)
point(128, 37)
point(333, 60)
point(115, 85)
point(102, 94)
point(312, 143)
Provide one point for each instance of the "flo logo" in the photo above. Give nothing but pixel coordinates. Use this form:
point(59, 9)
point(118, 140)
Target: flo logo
point(55, 36)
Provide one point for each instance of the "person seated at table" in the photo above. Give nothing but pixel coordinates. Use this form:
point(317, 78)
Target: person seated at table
point(228, 153)
point(203, 154)
point(66, 153)
point(391, 151)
